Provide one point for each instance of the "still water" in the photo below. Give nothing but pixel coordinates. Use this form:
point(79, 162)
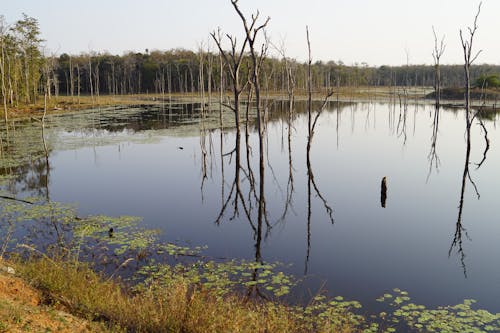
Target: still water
point(180, 174)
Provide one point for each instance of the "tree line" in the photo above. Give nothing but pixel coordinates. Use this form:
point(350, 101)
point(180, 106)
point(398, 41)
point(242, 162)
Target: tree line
point(26, 71)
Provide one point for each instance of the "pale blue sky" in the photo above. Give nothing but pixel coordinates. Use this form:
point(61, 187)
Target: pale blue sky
point(377, 32)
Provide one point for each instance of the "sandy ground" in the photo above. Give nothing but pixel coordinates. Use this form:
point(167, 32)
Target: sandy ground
point(22, 310)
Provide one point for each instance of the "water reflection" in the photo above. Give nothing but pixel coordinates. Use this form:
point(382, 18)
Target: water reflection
point(433, 157)
point(288, 216)
point(252, 196)
point(24, 159)
point(457, 242)
point(310, 176)
point(290, 189)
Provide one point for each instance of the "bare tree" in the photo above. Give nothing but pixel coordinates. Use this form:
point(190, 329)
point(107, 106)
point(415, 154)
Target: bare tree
point(221, 84)
point(96, 79)
point(251, 31)
point(90, 79)
point(312, 122)
point(201, 76)
point(469, 58)
point(71, 79)
point(437, 53)
point(78, 81)
point(210, 61)
point(3, 29)
point(233, 61)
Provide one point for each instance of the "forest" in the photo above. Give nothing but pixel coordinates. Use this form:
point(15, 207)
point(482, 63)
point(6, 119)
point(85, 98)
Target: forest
point(27, 70)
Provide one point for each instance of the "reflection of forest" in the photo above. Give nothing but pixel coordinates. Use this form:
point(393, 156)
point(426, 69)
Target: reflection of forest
point(22, 149)
point(23, 164)
point(136, 118)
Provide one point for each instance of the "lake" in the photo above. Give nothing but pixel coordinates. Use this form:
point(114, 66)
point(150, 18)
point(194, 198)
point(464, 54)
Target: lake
point(328, 220)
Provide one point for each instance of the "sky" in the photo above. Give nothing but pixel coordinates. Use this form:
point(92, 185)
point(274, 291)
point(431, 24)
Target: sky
point(375, 32)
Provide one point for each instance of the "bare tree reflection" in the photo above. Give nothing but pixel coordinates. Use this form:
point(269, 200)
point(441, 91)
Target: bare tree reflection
point(290, 183)
point(470, 116)
point(401, 127)
point(486, 142)
point(459, 229)
point(203, 149)
point(235, 198)
point(433, 157)
point(53, 222)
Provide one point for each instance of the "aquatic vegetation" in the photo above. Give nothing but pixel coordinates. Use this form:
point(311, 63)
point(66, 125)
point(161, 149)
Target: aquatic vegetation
point(452, 318)
point(221, 278)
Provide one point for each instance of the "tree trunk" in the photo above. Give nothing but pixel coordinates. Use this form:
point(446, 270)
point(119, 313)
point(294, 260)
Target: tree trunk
point(90, 80)
point(209, 73)
point(4, 89)
point(78, 82)
point(71, 80)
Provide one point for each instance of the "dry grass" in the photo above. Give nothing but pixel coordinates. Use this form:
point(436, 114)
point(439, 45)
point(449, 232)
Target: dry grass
point(179, 308)
point(21, 310)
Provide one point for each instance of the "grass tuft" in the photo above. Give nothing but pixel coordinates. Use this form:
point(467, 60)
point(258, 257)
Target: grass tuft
point(182, 307)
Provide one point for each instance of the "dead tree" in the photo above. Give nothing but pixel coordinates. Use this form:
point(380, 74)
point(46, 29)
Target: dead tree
point(221, 85)
point(78, 81)
point(233, 61)
point(251, 31)
point(210, 59)
point(469, 58)
point(96, 79)
point(438, 51)
point(71, 79)
point(311, 123)
point(201, 77)
point(90, 79)
point(3, 28)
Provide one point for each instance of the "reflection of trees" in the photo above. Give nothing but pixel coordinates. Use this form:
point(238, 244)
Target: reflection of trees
point(311, 184)
point(401, 127)
point(289, 186)
point(459, 229)
point(26, 168)
point(23, 162)
point(433, 155)
point(134, 118)
point(311, 125)
point(457, 242)
point(235, 198)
